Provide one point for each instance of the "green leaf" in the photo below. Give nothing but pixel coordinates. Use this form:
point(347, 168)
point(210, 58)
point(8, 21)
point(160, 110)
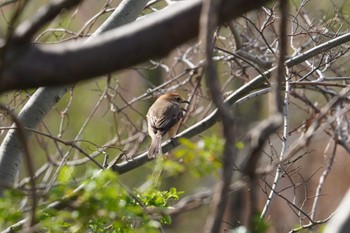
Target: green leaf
point(166, 219)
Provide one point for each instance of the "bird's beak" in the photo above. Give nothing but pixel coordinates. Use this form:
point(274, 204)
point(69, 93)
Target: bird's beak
point(185, 102)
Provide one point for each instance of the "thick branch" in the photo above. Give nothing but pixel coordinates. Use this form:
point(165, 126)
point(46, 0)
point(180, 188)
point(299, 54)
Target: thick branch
point(209, 17)
point(154, 36)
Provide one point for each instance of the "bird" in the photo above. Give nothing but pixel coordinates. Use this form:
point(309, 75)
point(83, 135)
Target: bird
point(163, 117)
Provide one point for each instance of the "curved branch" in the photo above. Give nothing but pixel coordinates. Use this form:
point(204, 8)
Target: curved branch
point(209, 17)
point(70, 62)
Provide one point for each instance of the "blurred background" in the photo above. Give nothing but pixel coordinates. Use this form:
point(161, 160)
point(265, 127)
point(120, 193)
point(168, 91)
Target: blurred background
point(105, 117)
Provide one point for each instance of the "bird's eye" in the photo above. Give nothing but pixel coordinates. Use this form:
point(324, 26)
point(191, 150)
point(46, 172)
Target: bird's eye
point(178, 99)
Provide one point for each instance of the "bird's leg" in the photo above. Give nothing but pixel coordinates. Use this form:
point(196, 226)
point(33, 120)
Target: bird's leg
point(173, 141)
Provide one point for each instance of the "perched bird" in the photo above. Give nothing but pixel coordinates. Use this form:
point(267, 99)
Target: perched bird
point(164, 117)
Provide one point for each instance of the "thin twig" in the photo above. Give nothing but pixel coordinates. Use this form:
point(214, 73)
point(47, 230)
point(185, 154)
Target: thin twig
point(311, 224)
point(322, 179)
point(278, 103)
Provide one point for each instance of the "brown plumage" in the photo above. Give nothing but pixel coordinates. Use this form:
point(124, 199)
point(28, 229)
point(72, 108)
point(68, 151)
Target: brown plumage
point(163, 117)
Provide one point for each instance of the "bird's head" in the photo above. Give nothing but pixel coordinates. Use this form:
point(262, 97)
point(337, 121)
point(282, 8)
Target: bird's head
point(174, 98)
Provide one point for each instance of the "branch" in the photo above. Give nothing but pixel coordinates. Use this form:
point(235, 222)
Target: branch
point(209, 23)
point(319, 49)
point(311, 225)
point(70, 62)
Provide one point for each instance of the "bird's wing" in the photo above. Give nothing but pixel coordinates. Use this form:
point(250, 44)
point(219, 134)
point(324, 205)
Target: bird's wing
point(166, 120)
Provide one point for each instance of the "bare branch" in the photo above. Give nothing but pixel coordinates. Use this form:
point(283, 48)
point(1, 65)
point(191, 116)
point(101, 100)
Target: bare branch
point(209, 22)
point(39, 65)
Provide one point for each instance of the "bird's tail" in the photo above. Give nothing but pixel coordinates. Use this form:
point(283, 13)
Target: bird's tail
point(155, 147)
